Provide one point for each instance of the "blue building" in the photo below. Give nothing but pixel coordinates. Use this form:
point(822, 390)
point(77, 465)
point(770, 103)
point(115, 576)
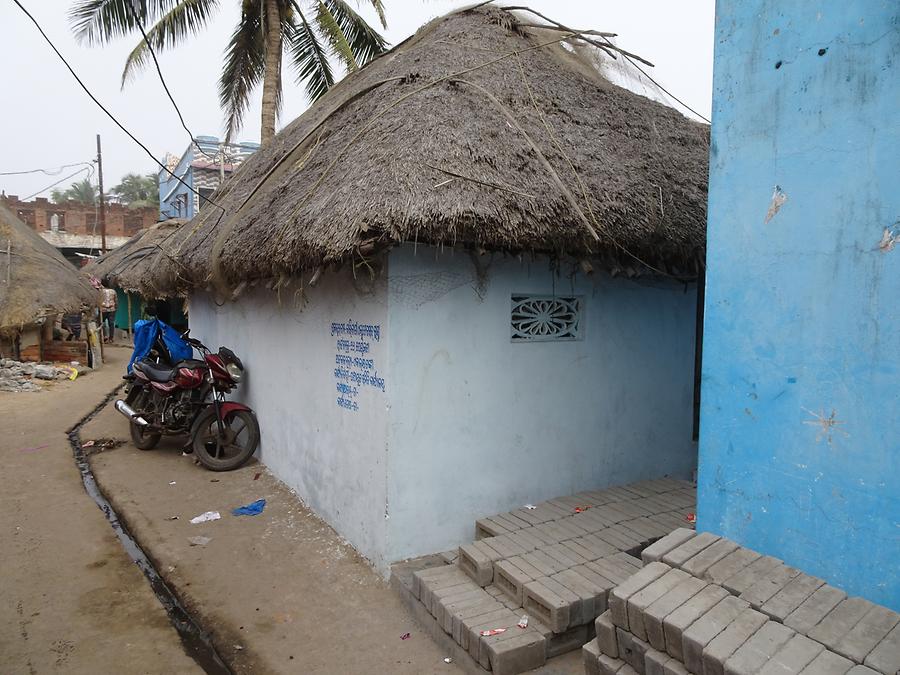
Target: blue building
point(205, 164)
point(800, 432)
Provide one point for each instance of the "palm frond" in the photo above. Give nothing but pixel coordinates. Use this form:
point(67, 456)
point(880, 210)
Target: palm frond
point(364, 41)
point(245, 64)
point(98, 21)
point(379, 8)
point(330, 27)
point(309, 57)
point(188, 17)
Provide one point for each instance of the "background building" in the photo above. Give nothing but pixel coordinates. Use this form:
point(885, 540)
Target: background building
point(799, 435)
point(205, 164)
point(73, 227)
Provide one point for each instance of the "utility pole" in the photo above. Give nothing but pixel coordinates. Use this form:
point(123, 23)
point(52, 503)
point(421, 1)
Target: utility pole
point(102, 201)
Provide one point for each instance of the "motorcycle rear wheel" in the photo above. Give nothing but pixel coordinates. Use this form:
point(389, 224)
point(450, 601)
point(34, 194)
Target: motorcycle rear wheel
point(240, 442)
point(142, 439)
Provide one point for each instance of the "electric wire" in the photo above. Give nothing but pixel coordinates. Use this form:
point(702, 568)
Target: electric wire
point(162, 79)
point(89, 169)
point(104, 109)
point(48, 172)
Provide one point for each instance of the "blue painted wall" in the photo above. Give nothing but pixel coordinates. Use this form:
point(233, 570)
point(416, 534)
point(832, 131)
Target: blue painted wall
point(800, 421)
point(481, 425)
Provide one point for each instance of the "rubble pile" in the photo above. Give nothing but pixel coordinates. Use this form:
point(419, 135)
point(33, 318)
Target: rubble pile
point(17, 376)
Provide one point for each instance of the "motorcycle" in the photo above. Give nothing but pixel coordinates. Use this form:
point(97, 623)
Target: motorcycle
point(189, 398)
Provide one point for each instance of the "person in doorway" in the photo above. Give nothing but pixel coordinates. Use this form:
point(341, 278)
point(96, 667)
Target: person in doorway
point(108, 304)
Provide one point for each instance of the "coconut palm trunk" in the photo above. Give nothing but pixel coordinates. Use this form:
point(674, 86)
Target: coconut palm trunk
point(272, 76)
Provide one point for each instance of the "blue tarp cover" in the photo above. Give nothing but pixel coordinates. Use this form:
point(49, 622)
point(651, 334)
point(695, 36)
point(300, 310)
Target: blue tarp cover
point(145, 332)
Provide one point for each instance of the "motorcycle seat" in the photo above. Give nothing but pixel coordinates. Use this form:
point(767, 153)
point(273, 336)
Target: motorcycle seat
point(156, 372)
point(191, 363)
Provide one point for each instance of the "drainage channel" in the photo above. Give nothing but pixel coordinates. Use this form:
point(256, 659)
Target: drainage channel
point(197, 643)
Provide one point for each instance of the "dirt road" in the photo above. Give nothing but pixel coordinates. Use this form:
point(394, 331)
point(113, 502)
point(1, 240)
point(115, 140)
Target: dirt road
point(279, 592)
point(70, 598)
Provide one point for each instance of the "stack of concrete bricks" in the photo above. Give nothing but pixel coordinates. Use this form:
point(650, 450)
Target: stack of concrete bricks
point(704, 605)
point(555, 563)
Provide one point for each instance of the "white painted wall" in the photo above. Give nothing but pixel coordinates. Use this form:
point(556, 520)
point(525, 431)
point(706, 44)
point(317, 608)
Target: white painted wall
point(480, 425)
point(334, 458)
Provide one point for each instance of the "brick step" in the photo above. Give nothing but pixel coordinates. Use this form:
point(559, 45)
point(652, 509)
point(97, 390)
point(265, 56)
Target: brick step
point(852, 627)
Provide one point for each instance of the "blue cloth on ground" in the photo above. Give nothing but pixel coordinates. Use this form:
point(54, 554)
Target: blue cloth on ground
point(253, 509)
point(145, 333)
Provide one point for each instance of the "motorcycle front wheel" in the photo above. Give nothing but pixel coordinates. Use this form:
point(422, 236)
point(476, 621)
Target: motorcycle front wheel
point(142, 439)
point(238, 443)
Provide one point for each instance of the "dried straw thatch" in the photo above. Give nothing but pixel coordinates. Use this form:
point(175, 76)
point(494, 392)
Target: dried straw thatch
point(479, 131)
point(142, 264)
point(35, 280)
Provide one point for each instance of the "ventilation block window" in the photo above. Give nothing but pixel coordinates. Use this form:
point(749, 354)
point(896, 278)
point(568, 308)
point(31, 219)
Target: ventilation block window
point(544, 318)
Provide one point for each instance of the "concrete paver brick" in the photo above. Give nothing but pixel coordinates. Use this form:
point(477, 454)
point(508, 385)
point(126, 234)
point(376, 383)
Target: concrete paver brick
point(566, 556)
point(542, 562)
point(646, 528)
point(606, 635)
point(597, 547)
point(765, 588)
point(637, 604)
point(590, 657)
point(681, 554)
point(592, 520)
point(575, 547)
point(507, 620)
point(840, 621)
point(709, 557)
point(477, 560)
point(518, 653)
point(815, 608)
point(431, 572)
point(828, 663)
point(861, 670)
point(789, 598)
point(552, 532)
point(610, 666)
point(437, 595)
point(539, 534)
point(449, 557)
point(488, 527)
point(731, 564)
point(865, 635)
point(713, 656)
point(706, 628)
point(614, 537)
point(570, 523)
point(578, 611)
point(547, 605)
point(609, 513)
point(673, 519)
point(618, 597)
point(633, 539)
point(885, 657)
point(526, 539)
point(469, 623)
point(555, 511)
point(740, 581)
point(504, 545)
point(430, 585)
point(758, 649)
point(655, 662)
point(451, 607)
point(593, 596)
point(682, 618)
point(656, 613)
point(793, 657)
point(617, 568)
point(510, 521)
point(460, 615)
point(631, 649)
point(674, 539)
point(511, 575)
point(530, 516)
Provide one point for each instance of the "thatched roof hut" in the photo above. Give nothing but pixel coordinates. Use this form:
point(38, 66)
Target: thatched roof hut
point(142, 264)
point(35, 279)
point(479, 130)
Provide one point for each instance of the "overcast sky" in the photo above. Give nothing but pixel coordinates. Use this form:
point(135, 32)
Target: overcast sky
point(46, 120)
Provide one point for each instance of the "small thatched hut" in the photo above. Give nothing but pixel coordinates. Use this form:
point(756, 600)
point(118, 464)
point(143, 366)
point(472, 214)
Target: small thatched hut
point(142, 270)
point(36, 284)
point(461, 281)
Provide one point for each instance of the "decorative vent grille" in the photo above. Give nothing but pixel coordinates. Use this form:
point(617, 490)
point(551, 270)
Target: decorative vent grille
point(545, 317)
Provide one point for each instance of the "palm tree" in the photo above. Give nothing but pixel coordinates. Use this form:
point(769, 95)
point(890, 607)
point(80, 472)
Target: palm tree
point(309, 32)
point(136, 191)
point(81, 191)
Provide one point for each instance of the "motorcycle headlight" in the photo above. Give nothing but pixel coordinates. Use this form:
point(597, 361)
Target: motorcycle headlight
point(234, 372)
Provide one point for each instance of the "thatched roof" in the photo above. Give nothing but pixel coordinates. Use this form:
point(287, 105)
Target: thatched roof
point(477, 131)
point(35, 279)
point(142, 264)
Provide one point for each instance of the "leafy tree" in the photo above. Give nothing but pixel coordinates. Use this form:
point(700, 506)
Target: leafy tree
point(308, 32)
point(81, 191)
point(137, 191)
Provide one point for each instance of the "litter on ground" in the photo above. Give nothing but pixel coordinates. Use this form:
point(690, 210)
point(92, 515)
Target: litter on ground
point(253, 509)
point(205, 517)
